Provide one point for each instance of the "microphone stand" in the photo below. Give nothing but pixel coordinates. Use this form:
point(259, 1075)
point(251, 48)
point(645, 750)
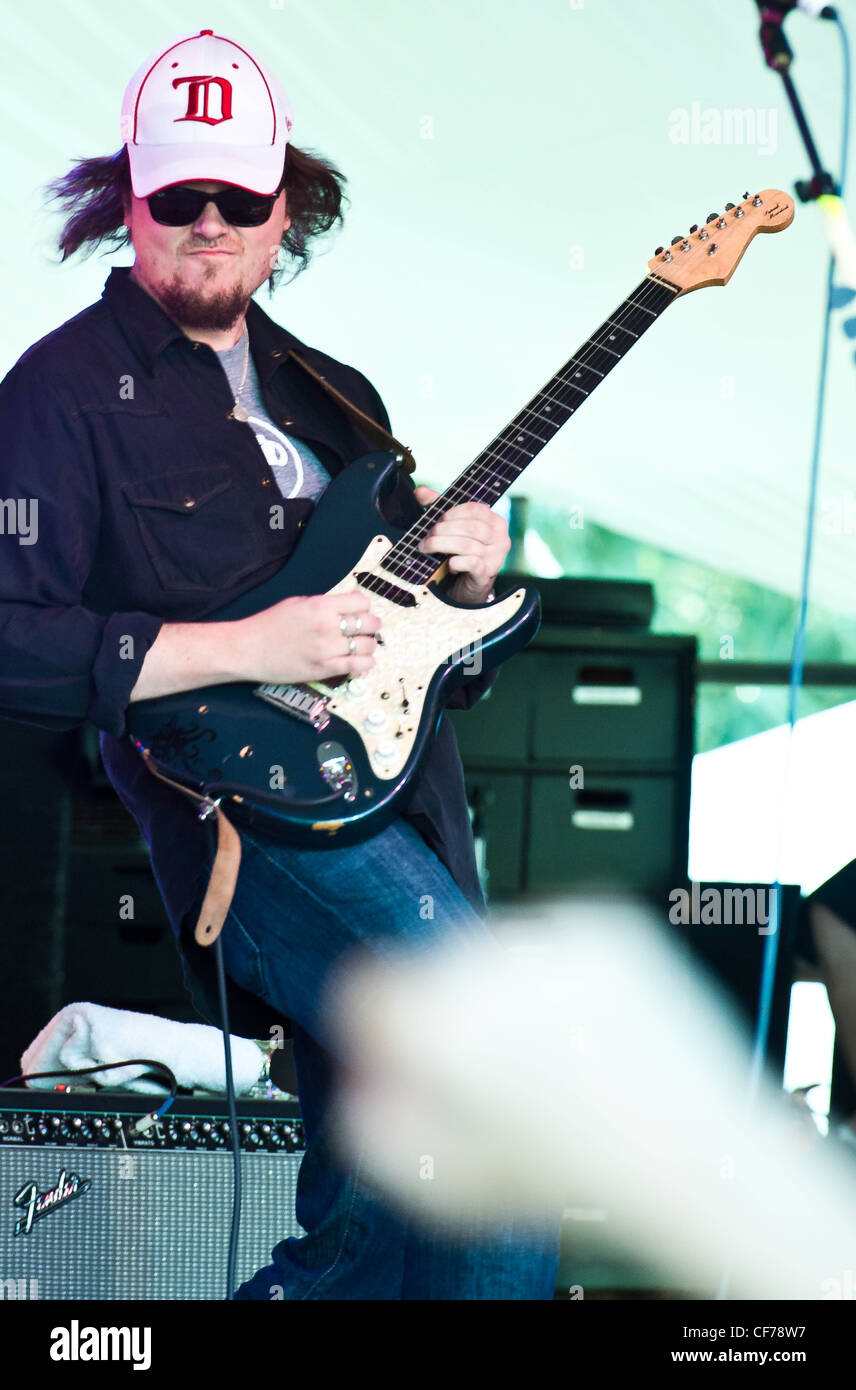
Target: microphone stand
point(778, 55)
point(821, 188)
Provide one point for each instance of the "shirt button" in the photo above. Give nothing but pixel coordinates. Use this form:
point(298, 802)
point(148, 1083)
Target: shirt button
point(277, 353)
point(265, 482)
point(287, 423)
point(190, 501)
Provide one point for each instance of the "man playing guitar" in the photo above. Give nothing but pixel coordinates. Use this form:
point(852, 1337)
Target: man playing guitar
point(174, 452)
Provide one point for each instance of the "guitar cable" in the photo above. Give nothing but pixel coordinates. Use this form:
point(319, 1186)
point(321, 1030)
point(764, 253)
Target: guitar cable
point(235, 1224)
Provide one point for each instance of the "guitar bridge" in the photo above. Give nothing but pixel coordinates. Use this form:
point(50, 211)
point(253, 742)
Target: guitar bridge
point(298, 700)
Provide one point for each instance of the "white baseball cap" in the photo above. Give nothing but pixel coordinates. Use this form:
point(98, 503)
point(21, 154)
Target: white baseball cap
point(205, 108)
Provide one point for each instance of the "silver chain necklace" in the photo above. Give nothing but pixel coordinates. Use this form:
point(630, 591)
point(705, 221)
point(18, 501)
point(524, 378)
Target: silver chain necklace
point(240, 412)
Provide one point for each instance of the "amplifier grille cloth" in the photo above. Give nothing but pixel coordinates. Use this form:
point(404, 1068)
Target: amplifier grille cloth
point(153, 1224)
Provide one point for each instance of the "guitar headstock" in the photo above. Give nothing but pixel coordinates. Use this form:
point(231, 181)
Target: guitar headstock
point(709, 253)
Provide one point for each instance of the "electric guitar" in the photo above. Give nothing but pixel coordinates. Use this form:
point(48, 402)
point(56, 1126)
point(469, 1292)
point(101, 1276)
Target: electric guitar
point(331, 763)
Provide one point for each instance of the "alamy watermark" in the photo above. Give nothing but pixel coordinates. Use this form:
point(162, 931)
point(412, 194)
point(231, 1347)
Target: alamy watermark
point(712, 125)
point(19, 516)
point(714, 906)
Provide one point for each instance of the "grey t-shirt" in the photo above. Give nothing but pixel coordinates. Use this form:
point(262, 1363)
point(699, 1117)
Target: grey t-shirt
point(297, 469)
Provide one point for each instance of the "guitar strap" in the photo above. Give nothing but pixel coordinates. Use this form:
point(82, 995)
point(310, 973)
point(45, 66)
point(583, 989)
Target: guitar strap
point(224, 870)
point(369, 427)
point(223, 878)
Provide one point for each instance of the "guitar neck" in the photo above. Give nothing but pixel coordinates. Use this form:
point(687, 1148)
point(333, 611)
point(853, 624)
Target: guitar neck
point(523, 438)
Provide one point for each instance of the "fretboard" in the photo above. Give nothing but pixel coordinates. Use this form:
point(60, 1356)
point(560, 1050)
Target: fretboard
point(513, 449)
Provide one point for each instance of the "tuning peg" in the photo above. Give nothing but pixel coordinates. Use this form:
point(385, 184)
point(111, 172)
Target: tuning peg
point(659, 251)
point(694, 227)
point(712, 218)
point(675, 240)
point(747, 195)
point(729, 206)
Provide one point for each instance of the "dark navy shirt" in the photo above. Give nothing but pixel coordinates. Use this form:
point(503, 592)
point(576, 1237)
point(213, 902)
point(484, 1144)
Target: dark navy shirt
point(128, 498)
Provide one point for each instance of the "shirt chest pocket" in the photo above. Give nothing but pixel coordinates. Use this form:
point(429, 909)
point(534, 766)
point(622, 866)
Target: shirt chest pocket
point(194, 528)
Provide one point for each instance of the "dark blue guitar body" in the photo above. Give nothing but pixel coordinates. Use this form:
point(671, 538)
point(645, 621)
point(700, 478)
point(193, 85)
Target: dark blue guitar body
point(272, 768)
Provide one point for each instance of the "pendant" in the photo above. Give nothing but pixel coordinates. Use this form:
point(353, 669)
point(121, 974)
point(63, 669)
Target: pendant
point(239, 413)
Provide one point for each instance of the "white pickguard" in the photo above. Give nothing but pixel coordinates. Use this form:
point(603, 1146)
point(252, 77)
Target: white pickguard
point(416, 641)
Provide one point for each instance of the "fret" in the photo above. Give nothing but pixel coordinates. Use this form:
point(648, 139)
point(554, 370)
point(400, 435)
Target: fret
point(529, 432)
point(494, 470)
point(622, 329)
point(564, 404)
point(489, 452)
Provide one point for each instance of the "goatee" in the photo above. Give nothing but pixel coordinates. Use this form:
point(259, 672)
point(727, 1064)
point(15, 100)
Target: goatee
point(193, 308)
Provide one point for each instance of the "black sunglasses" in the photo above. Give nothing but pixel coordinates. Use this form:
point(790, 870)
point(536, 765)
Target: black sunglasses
point(180, 206)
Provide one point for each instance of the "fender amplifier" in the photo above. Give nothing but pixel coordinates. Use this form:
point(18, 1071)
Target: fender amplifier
point(92, 1209)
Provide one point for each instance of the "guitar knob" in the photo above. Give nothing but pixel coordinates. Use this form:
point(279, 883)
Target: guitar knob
point(357, 688)
point(386, 751)
point(376, 719)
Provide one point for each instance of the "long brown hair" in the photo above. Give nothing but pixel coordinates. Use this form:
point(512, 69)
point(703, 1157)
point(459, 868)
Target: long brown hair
point(95, 190)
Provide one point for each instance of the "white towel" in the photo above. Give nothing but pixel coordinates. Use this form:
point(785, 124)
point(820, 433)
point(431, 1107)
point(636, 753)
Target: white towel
point(82, 1035)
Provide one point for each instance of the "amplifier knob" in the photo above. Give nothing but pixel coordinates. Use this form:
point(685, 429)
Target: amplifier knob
point(3, 1127)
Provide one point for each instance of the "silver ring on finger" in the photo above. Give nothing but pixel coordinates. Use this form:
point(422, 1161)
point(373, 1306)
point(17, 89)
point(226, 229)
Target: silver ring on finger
point(352, 646)
point(359, 624)
point(343, 625)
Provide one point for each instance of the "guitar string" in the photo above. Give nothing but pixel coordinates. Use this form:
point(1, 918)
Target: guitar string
point(649, 290)
point(488, 482)
point(530, 413)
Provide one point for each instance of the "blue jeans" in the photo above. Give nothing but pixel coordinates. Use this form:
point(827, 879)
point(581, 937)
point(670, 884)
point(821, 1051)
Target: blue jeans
point(294, 912)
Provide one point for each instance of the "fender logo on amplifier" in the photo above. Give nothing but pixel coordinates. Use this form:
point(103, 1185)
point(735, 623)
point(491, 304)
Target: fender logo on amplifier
point(38, 1204)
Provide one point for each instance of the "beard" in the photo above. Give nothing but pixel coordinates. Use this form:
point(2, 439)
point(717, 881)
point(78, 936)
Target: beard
point(200, 307)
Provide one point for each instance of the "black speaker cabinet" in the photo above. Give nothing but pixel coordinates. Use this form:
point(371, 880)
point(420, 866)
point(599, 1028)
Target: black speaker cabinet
point(578, 764)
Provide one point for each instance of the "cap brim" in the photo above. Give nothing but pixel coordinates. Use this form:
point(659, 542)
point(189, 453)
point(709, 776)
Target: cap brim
point(158, 166)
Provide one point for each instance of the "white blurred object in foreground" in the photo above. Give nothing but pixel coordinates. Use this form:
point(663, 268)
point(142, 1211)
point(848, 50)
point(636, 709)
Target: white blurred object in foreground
point(582, 1057)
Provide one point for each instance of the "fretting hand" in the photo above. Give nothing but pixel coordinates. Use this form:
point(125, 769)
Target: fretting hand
point(476, 541)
